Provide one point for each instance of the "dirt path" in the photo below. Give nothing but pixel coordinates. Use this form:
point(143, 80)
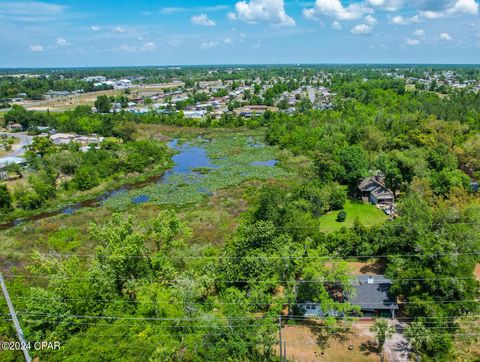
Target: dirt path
point(396, 348)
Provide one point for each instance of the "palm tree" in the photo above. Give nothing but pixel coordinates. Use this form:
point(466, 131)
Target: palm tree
point(382, 330)
point(418, 336)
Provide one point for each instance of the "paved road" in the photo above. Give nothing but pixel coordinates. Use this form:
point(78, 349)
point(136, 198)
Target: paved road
point(19, 149)
point(396, 348)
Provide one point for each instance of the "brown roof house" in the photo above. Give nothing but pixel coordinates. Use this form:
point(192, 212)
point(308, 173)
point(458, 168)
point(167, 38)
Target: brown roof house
point(373, 190)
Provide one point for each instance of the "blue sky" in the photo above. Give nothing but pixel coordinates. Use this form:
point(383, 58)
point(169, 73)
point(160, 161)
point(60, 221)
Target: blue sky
point(164, 32)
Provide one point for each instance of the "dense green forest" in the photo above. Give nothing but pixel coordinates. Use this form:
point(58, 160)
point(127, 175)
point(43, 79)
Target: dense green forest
point(207, 279)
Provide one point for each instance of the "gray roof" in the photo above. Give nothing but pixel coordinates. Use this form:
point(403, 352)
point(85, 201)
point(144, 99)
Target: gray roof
point(378, 189)
point(373, 292)
point(5, 161)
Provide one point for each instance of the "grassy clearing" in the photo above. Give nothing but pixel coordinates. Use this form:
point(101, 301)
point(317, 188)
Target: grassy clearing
point(70, 102)
point(368, 215)
point(467, 342)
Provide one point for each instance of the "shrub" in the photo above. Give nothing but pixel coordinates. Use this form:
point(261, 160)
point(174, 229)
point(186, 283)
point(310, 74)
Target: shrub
point(342, 216)
point(85, 178)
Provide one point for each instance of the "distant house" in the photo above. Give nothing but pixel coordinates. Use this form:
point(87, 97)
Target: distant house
point(123, 84)
point(372, 190)
point(66, 138)
point(62, 138)
point(194, 114)
point(372, 294)
point(4, 162)
point(15, 127)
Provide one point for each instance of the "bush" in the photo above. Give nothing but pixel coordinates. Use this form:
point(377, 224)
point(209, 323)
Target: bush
point(85, 178)
point(342, 216)
point(27, 199)
point(5, 199)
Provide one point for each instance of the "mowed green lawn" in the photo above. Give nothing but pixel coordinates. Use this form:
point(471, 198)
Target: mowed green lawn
point(368, 215)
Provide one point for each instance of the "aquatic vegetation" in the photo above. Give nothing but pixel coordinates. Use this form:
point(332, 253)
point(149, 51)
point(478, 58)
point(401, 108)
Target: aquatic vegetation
point(234, 160)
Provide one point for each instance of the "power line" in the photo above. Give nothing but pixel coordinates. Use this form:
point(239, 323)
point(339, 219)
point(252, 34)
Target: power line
point(416, 255)
point(201, 326)
point(293, 317)
point(61, 277)
point(53, 320)
point(231, 303)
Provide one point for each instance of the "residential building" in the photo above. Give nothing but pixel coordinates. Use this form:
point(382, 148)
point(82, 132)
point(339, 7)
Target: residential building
point(371, 189)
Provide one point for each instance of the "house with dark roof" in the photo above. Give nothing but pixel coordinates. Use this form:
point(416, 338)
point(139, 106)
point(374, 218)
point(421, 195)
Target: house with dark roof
point(372, 295)
point(373, 190)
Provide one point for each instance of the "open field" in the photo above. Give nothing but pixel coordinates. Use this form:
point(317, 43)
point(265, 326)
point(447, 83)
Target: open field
point(70, 102)
point(367, 214)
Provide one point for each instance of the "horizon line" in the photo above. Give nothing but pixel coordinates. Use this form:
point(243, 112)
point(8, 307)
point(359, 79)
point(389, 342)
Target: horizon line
point(237, 65)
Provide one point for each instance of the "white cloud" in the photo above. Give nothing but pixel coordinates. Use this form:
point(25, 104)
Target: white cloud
point(412, 41)
point(62, 42)
point(175, 43)
point(31, 11)
point(336, 25)
point(400, 20)
point(362, 29)
point(388, 5)
point(178, 9)
point(150, 46)
point(335, 9)
point(419, 32)
point(458, 7)
point(95, 28)
point(119, 29)
point(202, 20)
point(366, 28)
point(445, 36)
point(36, 48)
point(228, 41)
point(269, 11)
point(370, 20)
point(128, 48)
point(147, 47)
point(209, 44)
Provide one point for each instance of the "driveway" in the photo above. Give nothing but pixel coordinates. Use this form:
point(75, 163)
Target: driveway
point(18, 150)
point(397, 348)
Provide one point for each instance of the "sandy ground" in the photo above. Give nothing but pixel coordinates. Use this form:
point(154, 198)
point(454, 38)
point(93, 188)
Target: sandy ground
point(367, 268)
point(309, 344)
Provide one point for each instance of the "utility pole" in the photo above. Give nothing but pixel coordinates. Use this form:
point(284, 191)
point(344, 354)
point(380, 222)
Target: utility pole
point(21, 337)
point(280, 336)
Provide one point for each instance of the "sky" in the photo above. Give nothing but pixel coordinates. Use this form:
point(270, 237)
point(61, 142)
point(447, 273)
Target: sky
point(81, 33)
